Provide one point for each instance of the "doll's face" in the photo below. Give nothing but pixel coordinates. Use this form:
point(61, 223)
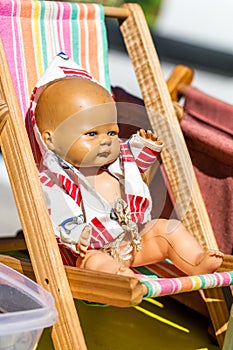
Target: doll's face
point(95, 147)
point(78, 121)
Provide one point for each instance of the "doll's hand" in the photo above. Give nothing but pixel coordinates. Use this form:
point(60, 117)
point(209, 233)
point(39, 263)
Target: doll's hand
point(84, 241)
point(150, 136)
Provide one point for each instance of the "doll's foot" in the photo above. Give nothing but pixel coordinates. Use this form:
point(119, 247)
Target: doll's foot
point(210, 261)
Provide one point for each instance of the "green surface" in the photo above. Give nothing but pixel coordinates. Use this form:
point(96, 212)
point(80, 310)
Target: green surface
point(111, 328)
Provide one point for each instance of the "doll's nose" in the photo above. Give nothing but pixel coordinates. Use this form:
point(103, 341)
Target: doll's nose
point(106, 140)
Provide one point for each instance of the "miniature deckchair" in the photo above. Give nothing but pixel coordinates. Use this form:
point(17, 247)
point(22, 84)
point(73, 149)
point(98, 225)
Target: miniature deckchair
point(26, 56)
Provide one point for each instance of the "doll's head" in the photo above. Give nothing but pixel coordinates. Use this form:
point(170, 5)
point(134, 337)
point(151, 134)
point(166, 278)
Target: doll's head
point(78, 121)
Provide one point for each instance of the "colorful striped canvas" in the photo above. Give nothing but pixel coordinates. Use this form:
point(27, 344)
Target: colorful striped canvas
point(165, 279)
point(33, 32)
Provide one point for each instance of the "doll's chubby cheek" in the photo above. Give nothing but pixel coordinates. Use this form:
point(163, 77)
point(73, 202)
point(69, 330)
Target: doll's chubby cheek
point(99, 155)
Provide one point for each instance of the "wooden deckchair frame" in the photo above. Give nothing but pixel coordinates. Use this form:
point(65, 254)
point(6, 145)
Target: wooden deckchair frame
point(46, 266)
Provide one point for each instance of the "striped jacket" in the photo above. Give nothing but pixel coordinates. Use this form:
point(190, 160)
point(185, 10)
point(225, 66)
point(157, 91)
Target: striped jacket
point(73, 203)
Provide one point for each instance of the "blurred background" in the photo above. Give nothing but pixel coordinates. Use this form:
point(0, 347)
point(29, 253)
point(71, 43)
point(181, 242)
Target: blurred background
point(196, 33)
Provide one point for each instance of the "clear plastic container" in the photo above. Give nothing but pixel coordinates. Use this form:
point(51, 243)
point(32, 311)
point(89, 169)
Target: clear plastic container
point(25, 310)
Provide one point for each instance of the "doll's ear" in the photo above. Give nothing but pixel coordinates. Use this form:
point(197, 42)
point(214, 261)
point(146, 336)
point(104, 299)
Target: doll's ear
point(47, 138)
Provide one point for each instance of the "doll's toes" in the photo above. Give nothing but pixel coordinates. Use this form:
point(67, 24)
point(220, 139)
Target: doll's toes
point(142, 133)
point(216, 253)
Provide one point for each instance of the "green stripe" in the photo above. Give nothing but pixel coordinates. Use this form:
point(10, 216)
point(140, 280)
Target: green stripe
point(74, 32)
point(105, 48)
point(149, 288)
point(43, 36)
point(203, 281)
point(145, 271)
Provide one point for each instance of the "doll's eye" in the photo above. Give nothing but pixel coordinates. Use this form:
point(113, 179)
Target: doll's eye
point(91, 133)
point(112, 133)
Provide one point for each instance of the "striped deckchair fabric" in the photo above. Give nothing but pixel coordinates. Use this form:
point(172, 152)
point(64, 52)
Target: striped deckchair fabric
point(38, 30)
point(165, 279)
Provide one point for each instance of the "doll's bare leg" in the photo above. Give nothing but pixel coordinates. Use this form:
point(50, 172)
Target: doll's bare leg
point(98, 260)
point(169, 239)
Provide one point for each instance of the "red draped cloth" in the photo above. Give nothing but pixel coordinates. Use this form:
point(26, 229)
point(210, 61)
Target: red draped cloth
point(208, 129)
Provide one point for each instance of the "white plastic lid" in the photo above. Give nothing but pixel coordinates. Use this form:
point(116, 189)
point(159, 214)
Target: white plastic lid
point(34, 306)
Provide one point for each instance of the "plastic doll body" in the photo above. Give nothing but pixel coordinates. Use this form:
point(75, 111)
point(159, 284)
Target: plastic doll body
point(83, 112)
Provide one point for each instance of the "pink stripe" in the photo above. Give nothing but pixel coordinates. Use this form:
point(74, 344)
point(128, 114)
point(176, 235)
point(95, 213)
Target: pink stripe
point(8, 20)
point(66, 28)
point(226, 278)
point(19, 61)
point(58, 23)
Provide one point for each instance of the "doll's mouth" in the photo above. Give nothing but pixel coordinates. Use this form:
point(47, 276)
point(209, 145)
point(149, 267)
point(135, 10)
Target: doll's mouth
point(104, 154)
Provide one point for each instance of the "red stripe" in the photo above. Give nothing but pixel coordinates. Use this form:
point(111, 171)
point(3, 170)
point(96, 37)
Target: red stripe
point(71, 188)
point(147, 154)
point(79, 198)
point(46, 181)
point(145, 204)
point(98, 228)
point(79, 72)
point(143, 165)
point(126, 154)
point(68, 256)
point(138, 206)
point(150, 152)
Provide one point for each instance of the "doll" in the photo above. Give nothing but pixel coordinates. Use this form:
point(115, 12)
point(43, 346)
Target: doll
point(99, 204)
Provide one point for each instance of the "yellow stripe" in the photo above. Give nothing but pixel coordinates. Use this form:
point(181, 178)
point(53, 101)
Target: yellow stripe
point(37, 39)
point(161, 319)
point(154, 302)
point(198, 282)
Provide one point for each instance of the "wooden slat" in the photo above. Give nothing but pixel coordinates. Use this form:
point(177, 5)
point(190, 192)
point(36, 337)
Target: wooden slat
point(116, 12)
point(90, 285)
point(175, 156)
point(35, 221)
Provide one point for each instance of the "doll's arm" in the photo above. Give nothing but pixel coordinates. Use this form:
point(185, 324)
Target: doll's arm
point(84, 241)
point(145, 148)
